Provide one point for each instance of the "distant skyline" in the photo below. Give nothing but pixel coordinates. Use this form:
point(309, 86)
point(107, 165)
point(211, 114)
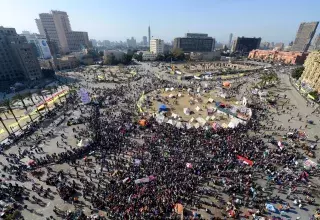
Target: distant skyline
point(272, 20)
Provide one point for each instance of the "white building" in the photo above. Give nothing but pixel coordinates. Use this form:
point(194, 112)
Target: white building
point(148, 56)
point(40, 42)
point(157, 46)
point(118, 55)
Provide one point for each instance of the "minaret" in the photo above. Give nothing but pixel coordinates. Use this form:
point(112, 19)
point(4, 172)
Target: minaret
point(149, 34)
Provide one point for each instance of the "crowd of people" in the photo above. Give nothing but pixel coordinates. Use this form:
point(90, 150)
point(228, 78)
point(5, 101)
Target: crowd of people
point(144, 172)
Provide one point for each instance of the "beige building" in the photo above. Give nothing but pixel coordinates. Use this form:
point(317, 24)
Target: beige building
point(56, 26)
point(311, 73)
point(157, 46)
point(18, 60)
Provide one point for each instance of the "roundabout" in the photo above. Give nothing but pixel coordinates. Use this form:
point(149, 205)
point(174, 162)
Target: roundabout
point(196, 107)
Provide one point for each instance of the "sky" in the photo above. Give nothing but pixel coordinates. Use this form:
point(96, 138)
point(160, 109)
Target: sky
point(115, 20)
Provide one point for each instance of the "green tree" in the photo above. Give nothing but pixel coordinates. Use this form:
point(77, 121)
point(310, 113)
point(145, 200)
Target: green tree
point(138, 56)
point(29, 94)
point(21, 98)
point(7, 104)
point(110, 59)
point(297, 72)
point(178, 54)
point(160, 57)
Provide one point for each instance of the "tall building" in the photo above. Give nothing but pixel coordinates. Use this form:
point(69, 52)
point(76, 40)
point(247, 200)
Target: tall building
point(230, 40)
point(157, 46)
point(194, 42)
point(311, 73)
point(149, 35)
point(56, 25)
point(94, 42)
point(40, 43)
point(132, 43)
point(304, 36)
point(17, 57)
point(245, 44)
point(317, 43)
point(144, 40)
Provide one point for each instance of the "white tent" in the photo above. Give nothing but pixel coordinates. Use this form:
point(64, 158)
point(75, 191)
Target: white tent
point(179, 94)
point(201, 121)
point(210, 100)
point(167, 89)
point(172, 122)
point(171, 88)
point(192, 119)
point(171, 95)
point(208, 118)
point(188, 125)
point(174, 115)
point(179, 124)
point(160, 118)
point(186, 111)
point(198, 108)
point(196, 125)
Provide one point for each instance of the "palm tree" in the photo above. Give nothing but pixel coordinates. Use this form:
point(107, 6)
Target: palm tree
point(104, 74)
point(7, 104)
point(4, 126)
point(43, 99)
point(56, 88)
point(29, 94)
point(19, 96)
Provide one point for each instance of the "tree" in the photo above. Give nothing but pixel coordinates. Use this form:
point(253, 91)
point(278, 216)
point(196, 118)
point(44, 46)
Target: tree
point(5, 127)
point(110, 59)
point(297, 72)
point(138, 57)
point(39, 92)
point(48, 73)
point(19, 96)
point(29, 94)
point(178, 54)
point(127, 58)
point(101, 53)
point(7, 104)
point(160, 57)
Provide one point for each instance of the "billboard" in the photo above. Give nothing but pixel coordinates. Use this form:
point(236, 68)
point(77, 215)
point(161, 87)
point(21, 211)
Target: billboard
point(44, 49)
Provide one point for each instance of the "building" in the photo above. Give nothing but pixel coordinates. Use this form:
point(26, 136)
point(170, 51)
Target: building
point(77, 40)
point(132, 43)
point(205, 56)
point(157, 46)
point(317, 43)
point(18, 60)
point(94, 42)
point(311, 73)
point(147, 56)
point(56, 27)
point(265, 46)
point(40, 43)
point(304, 36)
point(149, 35)
point(144, 41)
point(194, 42)
point(278, 56)
point(245, 44)
point(279, 46)
point(230, 40)
point(118, 55)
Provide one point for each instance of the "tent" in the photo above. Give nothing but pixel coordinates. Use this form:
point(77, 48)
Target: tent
point(163, 108)
point(226, 84)
point(210, 100)
point(186, 111)
point(198, 108)
point(201, 121)
point(178, 208)
point(142, 122)
point(171, 96)
point(188, 125)
point(175, 116)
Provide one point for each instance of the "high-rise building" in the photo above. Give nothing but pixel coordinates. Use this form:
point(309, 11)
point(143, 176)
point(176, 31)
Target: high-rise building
point(245, 44)
point(40, 43)
point(317, 43)
point(157, 46)
point(56, 26)
point(194, 42)
point(144, 40)
point(17, 57)
point(149, 35)
point(311, 73)
point(94, 42)
point(132, 43)
point(230, 40)
point(304, 36)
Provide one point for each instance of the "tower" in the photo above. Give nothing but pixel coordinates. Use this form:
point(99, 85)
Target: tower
point(230, 40)
point(149, 34)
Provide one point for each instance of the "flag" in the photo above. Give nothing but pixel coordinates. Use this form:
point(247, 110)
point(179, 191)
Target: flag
point(245, 160)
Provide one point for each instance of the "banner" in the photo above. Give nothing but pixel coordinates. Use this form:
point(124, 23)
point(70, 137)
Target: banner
point(145, 180)
point(245, 160)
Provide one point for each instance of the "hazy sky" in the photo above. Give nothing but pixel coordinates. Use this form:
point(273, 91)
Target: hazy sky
point(273, 20)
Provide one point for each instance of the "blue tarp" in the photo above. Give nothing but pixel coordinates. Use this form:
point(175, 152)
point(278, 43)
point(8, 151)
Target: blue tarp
point(163, 107)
